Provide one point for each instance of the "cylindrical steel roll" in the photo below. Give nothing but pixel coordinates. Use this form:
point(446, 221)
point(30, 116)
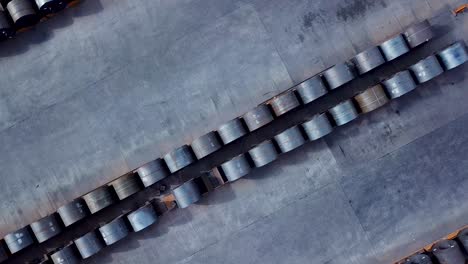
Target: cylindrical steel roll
point(18, 240)
point(448, 252)
point(152, 172)
point(454, 55)
point(6, 29)
point(126, 186)
point(236, 168)
point(419, 33)
point(179, 158)
point(372, 98)
point(368, 60)
point(258, 117)
point(114, 231)
point(344, 112)
point(99, 199)
point(263, 153)
point(231, 131)
point(419, 259)
point(284, 103)
point(317, 127)
point(427, 69)
point(3, 252)
point(394, 47)
point(463, 237)
point(399, 84)
point(50, 6)
point(339, 74)
point(46, 228)
point(205, 145)
point(187, 194)
point(142, 217)
point(73, 212)
point(66, 255)
point(22, 12)
point(290, 139)
point(311, 89)
point(89, 244)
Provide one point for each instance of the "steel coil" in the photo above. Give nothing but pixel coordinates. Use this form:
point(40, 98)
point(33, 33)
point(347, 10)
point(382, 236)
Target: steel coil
point(73, 212)
point(114, 231)
point(339, 74)
point(284, 103)
point(317, 127)
point(368, 60)
point(187, 194)
point(18, 240)
point(290, 139)
point(236, 168)
point(419, 33)
point(463, 238)
point(126, 186)
point(3, 252)
point(22, 12)
point(143, 217)
point(448, 252)
point(394, 47)
point(454, 55)
point(427, 69)
point(372, 98)
point(399, 84)
point(419, 259)
point(258, 117)
point(46, 228)
point(152, 172)
point(89, 244)
point(6, 29)
point(66, 255)
point(231, 130)
point(311, 89)
point(179, 158)
point(205, 145)
point(344, 112)
point(50, 6)
point(263, 153)
point(99, 199)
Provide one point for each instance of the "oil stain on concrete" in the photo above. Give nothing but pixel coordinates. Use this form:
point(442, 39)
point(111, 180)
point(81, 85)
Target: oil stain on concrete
point(355, 9)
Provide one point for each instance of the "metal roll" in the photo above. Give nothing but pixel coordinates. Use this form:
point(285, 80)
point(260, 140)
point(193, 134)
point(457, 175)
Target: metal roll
point(263, 153)
point(205, 145)
point(22, 12)
point(89, 244)
point(399, 84)
point(317, 127)
point(114, 231)
point(46, 228)
point(18, 240)
point(372, 98)
point(448, 252)
point(231, 131)
point(50, 6)
point(394, 47)
point(187, 194)
point(258, 117)
point(339, 74)
point(463, 237)
point(368, 60)
point(419, 259)
point(179, 158)
point(126, 186)
point(344, 112)
point(3, 252)
point(236, 168)
point(290, 139)
point(454, 55)
point(66, 255)
point(142, 217)
point(427, 69)
point(73, 212)
point(6, 29)
point(419, 33)
point(284, 103)
point(99, 199)
point(152, 172)
point(311, 89)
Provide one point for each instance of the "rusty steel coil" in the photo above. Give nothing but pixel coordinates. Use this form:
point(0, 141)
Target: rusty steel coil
point(311, 89)
point(152, 172)
point(394, 47)
point(284, 103)
point(372, 98)
point(427, 69)
point(205, 145)
point(258, 117)
point(368, 60)
point(179, 158)
point(187, 194)
point(419, 33)
point(264, 153)
point(46, 228)
point(231, 130)
point(236, 168)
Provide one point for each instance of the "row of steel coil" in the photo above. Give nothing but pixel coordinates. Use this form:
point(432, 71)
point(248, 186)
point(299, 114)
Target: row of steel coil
point(260, 155)
point(19, 15)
